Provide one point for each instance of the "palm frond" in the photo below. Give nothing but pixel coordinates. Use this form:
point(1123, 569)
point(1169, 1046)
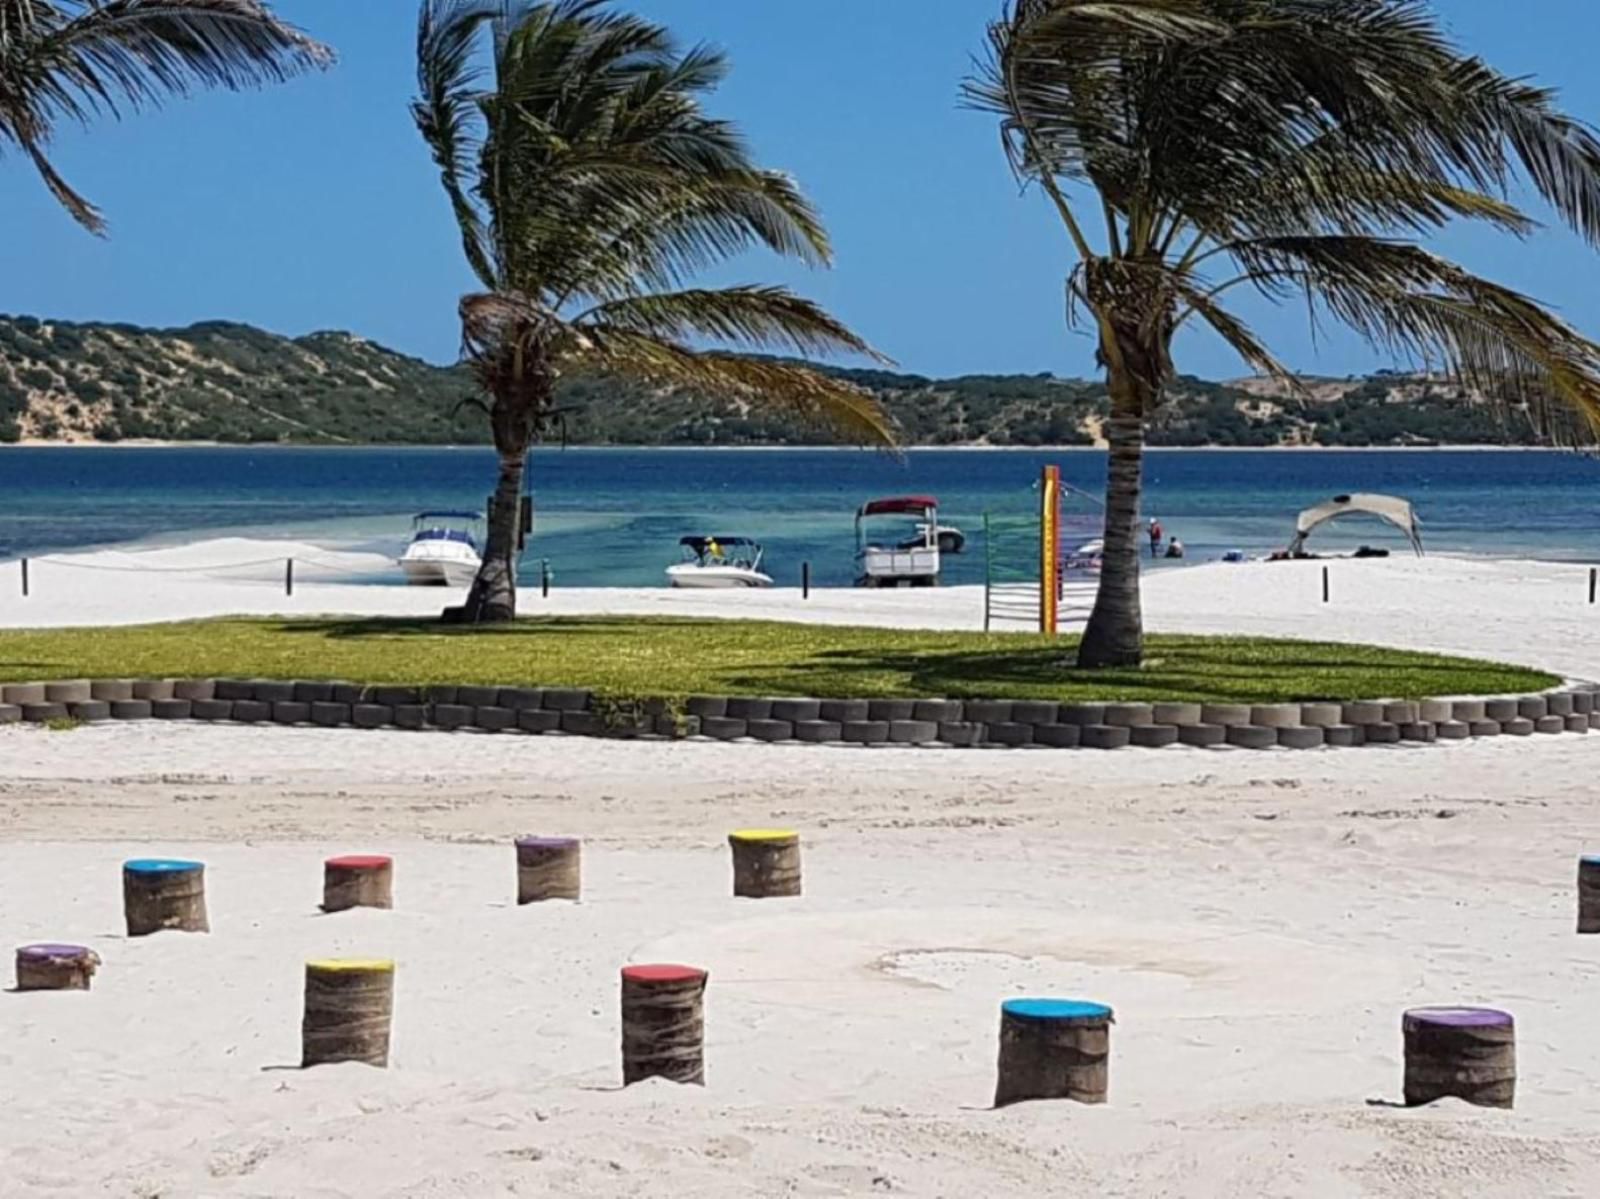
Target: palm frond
point(1428, 310)
point(1558, 154)
point(1327, 188)
point(99, 56)
point(820, 399)
point(1238, 335)
point(768, 318)
point(143, 50)
point(591, 185)
point(1052, 73)
point(687, 230)
point(598, 164)
point(1299, 137)
point(446, 111)
point(80, 209)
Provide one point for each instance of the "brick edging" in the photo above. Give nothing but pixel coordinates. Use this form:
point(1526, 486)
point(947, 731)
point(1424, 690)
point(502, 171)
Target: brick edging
point(1573, 708)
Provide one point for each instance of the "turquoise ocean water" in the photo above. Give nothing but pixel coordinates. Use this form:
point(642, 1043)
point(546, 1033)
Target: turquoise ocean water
point(613, 517)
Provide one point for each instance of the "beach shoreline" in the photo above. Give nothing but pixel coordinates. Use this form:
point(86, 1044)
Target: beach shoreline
point(1531, 613)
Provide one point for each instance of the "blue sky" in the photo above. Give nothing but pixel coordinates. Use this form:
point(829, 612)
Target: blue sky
point(314, 205)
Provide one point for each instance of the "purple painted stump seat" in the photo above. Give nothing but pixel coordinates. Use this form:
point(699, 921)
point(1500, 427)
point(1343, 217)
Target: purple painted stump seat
point(1460, 1052)
point(55, 967)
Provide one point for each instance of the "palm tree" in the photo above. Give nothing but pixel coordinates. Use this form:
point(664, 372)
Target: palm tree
point(590, 186)
point(1298, 148)
point(74, 59)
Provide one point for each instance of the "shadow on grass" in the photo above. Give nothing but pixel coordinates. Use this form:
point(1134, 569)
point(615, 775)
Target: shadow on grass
point(1050, 671)
point(786, 659)
point(527, 627)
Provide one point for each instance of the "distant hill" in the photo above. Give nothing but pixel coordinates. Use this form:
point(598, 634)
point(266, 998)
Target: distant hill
point(216, 381)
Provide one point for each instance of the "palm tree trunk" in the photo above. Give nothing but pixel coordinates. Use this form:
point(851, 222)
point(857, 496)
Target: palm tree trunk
point(1115, 633)
point(493, 597)
point(494, 592)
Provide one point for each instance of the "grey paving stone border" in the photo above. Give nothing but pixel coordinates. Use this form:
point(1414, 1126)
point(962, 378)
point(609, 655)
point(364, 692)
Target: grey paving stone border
point(474, 708)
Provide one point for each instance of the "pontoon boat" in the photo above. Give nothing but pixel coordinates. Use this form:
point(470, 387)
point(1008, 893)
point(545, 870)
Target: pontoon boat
point(901, 562)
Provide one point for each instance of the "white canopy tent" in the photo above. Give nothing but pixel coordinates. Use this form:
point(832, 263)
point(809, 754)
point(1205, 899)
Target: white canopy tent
point(1391, 508)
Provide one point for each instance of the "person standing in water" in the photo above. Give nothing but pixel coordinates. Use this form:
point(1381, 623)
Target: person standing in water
point(1155, 538)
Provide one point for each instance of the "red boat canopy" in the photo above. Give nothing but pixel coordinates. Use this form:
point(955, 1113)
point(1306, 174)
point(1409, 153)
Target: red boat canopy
point(915, 505)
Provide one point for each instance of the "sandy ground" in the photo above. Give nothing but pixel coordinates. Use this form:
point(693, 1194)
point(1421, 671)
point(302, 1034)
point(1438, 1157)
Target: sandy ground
point(1259, 921)
point(1533, 612)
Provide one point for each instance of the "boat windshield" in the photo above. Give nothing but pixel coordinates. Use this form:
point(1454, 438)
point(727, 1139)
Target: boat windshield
point(460, 527)
point(461, 535)
point(722, 551)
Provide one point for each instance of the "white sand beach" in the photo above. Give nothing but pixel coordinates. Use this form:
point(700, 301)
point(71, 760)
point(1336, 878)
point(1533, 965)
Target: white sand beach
point(1258, 921)
point(1534, 613)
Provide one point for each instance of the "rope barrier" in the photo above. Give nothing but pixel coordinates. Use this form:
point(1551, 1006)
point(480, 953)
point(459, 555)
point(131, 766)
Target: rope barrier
point(209, 568)
point(215, 570)
point(141, 570)
point(338, 569)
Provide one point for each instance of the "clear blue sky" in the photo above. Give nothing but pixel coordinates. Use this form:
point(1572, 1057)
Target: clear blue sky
point(314, 205)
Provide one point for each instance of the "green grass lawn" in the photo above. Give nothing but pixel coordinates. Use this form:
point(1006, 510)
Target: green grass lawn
point(629, 657)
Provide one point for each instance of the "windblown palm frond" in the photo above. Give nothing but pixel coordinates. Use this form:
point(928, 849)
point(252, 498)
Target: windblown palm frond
point(768, 317)
point(1292, 146)
point(821, 400)
point(1203, 127)
point(74, 59)
point(590, 188)
point(1424, 308)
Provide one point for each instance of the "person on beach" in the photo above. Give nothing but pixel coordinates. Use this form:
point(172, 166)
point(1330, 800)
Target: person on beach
point(1155, 537)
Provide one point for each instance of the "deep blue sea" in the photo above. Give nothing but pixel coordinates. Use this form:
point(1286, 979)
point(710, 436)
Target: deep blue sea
point(614, 516)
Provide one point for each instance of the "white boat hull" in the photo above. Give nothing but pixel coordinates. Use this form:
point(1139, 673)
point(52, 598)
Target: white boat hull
point(883, 565)
point(719, 578)
point(439, 571)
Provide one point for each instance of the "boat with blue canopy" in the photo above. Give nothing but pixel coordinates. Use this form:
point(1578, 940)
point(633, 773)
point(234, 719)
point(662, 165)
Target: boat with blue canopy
point(444, 550)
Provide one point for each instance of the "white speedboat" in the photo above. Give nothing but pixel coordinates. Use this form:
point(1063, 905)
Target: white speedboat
point(951, 539)
point(718, 562)
point(1089, 556)
point(444, 549)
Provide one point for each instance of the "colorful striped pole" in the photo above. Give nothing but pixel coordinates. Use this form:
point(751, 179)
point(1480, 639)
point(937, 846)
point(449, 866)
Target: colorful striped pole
point(1053, 1049)
point(766, 863)
point(663, 1023)
point(1049, 550)
point(161, 893)
point(349, 1009)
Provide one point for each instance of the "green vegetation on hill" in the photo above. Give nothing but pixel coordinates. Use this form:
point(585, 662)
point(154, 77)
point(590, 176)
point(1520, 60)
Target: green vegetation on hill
point(216, 381)
point(665, 657)
point(219, 382)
